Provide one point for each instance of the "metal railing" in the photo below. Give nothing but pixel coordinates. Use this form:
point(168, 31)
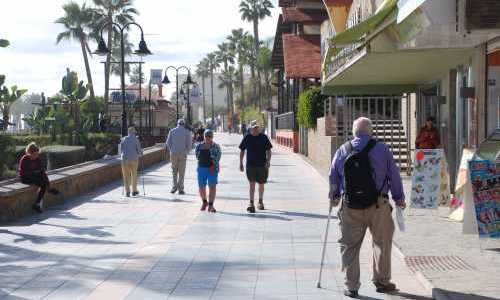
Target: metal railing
point(285, 121)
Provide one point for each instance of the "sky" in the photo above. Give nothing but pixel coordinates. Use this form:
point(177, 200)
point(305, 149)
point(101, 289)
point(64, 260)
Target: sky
point(178, 32)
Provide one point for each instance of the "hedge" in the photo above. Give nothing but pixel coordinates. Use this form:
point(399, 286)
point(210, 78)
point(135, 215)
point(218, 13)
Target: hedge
point(59, 156)
point(310, 107)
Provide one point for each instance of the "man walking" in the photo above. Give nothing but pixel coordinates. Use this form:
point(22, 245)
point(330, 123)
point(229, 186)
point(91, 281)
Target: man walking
point(179, 143)
point(130, 150)
point(362, 172)
point(258, 150)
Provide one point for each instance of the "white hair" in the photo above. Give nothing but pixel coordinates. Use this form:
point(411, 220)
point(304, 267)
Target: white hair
point(362, 126)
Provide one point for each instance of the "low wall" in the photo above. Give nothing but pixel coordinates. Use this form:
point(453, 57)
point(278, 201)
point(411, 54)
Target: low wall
point(17, 198)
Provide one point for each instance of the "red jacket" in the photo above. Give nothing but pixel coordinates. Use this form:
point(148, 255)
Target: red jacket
point(428, 138)
point(31, 167)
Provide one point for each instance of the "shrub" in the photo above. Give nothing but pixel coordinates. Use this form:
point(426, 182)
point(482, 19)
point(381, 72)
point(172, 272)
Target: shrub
point(59, 156)
point(310, 107)
point(7, 148)
point(99, 144)
point(24, 140)
point(252, 113)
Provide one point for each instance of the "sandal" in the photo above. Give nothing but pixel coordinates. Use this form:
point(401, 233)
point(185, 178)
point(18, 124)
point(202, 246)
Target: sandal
point(251, 209)
point(261, 206)
point(204, 205)
point(211, 208)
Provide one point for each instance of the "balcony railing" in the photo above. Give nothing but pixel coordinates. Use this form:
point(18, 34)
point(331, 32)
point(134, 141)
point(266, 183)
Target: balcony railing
point(285, 121)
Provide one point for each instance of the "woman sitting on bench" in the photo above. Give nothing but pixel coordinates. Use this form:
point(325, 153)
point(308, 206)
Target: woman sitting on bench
point(32, 172)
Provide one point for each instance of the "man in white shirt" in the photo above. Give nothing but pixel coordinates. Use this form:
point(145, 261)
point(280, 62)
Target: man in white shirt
point(179, 143)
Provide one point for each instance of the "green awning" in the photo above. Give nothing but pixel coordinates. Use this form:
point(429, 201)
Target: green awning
point(354, 33)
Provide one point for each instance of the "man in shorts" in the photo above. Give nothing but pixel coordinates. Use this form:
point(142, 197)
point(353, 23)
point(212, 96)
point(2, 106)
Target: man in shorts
point(258, 150)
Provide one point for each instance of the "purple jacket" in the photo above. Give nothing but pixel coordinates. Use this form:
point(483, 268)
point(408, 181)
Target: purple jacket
point(382, 163)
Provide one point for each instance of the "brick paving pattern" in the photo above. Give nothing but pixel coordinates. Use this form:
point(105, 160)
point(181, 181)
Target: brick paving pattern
point(160, 246)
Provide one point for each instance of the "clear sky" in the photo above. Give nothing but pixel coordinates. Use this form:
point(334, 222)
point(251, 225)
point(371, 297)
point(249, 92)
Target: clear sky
point(177, 32)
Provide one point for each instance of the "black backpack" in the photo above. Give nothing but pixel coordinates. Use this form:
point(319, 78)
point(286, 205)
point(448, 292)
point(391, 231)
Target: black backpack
point(360, 190)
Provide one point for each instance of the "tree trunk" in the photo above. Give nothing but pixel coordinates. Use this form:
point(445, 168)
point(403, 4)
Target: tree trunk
point(87, 70)
point(242, 86)
point(257, 46)
point(204, 104)
point(107, 66)
point(6, 113)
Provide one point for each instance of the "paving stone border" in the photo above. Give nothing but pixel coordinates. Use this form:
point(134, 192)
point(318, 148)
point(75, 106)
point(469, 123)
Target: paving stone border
point(16, 198)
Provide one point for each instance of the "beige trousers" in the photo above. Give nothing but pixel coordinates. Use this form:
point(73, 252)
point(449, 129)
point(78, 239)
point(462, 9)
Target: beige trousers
point(129, 171)
point(353, 225)
point(178, 162)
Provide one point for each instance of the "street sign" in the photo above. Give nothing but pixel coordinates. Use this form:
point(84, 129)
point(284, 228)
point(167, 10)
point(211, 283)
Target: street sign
point(156, 76)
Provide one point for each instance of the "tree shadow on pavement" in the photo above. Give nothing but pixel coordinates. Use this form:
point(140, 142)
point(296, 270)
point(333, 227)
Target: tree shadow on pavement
point(36, 239)
point(407, 296)
point(177, 200)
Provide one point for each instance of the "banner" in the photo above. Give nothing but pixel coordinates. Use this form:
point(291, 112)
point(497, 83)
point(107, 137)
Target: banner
point(485, 179)
point(426, 178)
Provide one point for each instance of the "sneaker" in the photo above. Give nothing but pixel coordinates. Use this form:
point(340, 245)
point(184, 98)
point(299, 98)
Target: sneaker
point(135, 193)
point(385, 288)
point(351, 294)
point(261, 205)
point(37, 207)
point(204, 205)
point(211, 208)
point(251, 209)
point(173, 190)
point(182, 193)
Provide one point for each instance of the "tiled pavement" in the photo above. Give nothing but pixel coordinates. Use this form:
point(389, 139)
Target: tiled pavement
point(159, 246)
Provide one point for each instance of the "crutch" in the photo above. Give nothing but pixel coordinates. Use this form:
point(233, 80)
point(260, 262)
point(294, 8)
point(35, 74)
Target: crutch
point(324, 247)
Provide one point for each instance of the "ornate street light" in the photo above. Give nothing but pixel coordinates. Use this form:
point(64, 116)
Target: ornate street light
point(102, 49)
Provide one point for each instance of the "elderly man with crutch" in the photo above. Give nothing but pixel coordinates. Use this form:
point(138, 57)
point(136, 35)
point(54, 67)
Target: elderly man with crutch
point(130, 151)
point(362, 173)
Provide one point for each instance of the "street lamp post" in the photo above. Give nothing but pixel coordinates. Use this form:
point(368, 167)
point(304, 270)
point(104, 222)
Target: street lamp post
point(143, 50)
point(189, 85)
point(167, 81)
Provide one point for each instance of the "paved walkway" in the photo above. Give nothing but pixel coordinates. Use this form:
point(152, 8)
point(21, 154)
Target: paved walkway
point(160, 246)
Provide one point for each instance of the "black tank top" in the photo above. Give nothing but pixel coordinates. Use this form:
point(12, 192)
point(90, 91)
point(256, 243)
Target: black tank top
point(204, 158)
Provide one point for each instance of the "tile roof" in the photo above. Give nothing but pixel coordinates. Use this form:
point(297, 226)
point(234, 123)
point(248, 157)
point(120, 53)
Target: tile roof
point(302, 56)
point(304, 15)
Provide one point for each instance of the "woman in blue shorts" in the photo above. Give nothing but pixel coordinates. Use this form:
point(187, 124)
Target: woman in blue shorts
point(208, 154)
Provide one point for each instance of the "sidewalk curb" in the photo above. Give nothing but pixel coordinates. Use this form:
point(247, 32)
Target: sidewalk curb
point(436, 293)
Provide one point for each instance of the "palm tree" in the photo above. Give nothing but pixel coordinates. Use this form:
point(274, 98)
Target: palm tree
point(118, 11)
point(254, 11)
point(7, 98)
point(225, 55)
point(237, 42)
point(227, 81)
point(213, 64)
point(264, 64)
point(76, 21)
point(203, 70)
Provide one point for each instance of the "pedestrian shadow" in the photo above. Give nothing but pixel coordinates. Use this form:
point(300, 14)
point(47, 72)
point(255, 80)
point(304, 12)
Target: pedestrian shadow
point(408, 296)
point(441, 294)
point(177, 200)
point(256, 216)
point(95, 231)
point(303, 215)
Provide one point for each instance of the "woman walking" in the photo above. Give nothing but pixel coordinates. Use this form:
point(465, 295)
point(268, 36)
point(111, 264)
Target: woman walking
point(208, 154)
point(31, 172)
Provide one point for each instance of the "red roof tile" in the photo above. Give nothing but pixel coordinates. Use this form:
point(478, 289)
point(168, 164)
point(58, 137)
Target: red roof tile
point(304, 15)
point(302, 56)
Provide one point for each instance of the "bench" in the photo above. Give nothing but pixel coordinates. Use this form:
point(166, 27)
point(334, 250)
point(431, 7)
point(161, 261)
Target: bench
point(17, 198)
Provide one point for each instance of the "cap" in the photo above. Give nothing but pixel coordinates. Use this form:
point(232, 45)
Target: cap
point(254, 124)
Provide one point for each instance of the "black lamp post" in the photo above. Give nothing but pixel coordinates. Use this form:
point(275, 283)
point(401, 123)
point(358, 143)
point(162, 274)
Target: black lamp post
point(189, 84)
point(143, 50)
point(167, 81)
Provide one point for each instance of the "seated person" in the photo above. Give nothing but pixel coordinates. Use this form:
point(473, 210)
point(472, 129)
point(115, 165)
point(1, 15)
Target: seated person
point(32, 172)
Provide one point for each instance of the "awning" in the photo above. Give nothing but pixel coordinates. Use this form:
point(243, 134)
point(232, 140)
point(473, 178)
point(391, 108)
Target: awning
point(407, 7)
point(391, 72)
point(353, 34)
point(302, 56)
